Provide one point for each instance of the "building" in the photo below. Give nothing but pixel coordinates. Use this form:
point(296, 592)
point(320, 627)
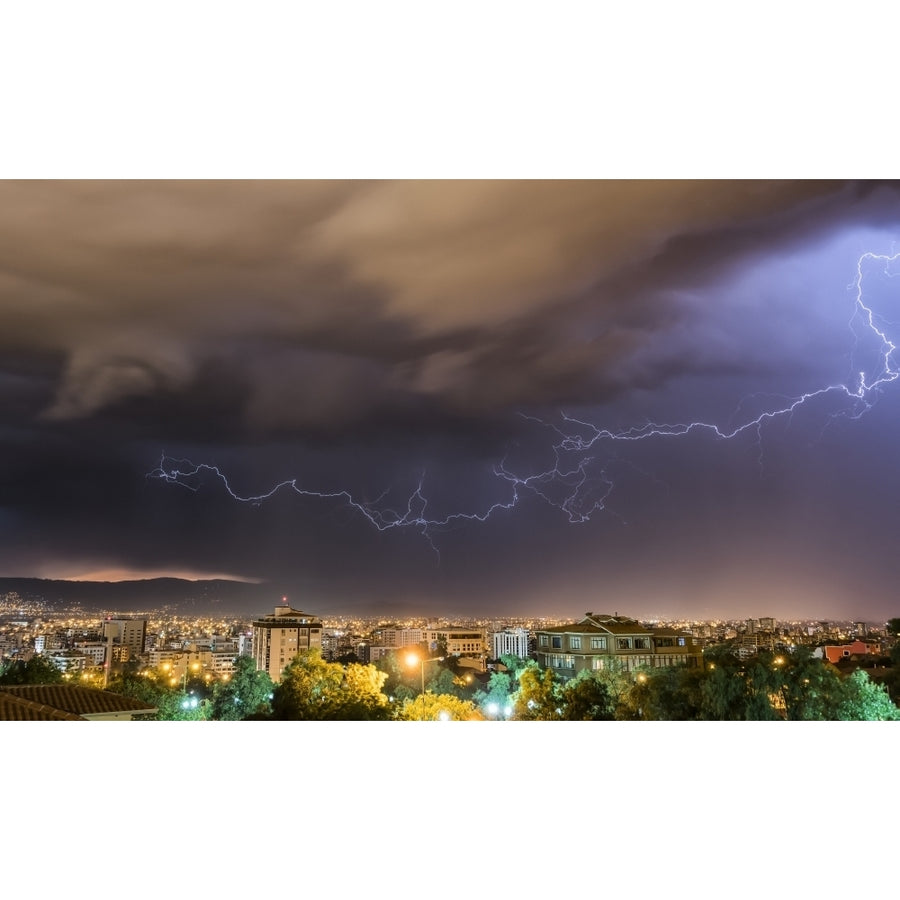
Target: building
point(128, 636)
point(512, 641)
point(394, 636)
point(599, 639)
point(55, 702)
point(96, 650)
point(278, 638)
point(456, 641)
point(180, 665)
point(844, 651)
point(67, 661)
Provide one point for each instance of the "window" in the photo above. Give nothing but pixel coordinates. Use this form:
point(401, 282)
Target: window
point(680, 642)
point(640, 644)
point(545, 640)
point(556, 642)
point(624, 643)
point(598, 643)
point(597, 662)
point(574, 643)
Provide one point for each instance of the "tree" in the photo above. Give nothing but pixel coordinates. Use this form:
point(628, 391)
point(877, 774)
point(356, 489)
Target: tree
point(36, 670)
point(246, 693)
point(536, 697)
point(153, 688)
point(723, 691)
point(439, 707)
point(443, 681)
point(402, 681)
point(513, 663)
point(618, 684)
point(585, 698)
point(499, 690)
point(865, 701)
point(812, 689)
point(313, 689)
point(673, 693)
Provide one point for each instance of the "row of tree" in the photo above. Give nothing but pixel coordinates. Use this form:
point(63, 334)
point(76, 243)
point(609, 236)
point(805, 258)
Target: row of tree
point(768, 686)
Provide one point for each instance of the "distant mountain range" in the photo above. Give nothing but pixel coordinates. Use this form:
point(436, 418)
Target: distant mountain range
point(212, 597)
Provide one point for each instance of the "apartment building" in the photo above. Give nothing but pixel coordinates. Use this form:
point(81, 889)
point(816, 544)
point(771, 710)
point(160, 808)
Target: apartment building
point(597, 639)
point(278, 638)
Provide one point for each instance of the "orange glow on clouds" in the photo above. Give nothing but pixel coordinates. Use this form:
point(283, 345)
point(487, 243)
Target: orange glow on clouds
point(120, 574)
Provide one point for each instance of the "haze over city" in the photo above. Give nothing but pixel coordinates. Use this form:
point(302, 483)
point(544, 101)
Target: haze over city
point(187, 366)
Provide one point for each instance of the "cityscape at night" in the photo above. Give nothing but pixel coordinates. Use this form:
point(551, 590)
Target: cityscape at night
point(468, 403)
point(288, 664)
point(462, 398)
point(449, 445)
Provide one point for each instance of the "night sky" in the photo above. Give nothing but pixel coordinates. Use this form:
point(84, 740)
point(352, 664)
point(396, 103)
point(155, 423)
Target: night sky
point(418, 351)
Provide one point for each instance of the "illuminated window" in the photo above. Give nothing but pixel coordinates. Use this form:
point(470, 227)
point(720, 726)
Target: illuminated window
point(545, 641)
point(574, 643)
point(598, 643)
point(624, 643)
point(681, 642)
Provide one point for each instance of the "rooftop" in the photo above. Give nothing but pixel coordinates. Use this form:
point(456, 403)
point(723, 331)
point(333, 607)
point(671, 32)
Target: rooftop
point(69, 702)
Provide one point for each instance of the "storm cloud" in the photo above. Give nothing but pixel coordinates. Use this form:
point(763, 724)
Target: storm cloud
point(474, 296)
point(366, 335)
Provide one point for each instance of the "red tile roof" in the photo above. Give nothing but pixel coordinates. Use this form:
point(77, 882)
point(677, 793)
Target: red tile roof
point(77, 700)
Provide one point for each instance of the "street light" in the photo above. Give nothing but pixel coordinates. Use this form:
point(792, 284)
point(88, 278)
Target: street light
point(493, 710)
point(193, 666)
point(414, 658)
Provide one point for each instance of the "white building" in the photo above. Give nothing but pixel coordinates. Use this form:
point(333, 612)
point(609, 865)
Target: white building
point(96, 650)
point(391, 636)
point(67, 660)
point(513, 641)
point(457, 641)
point(278, 638)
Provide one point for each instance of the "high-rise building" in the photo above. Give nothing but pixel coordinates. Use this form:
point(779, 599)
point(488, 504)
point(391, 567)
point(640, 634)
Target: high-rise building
point(278, 638)
point(510, 641)
point(130, 633)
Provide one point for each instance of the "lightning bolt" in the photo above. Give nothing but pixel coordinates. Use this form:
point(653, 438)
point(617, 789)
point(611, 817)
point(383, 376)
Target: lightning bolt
point(568, 483)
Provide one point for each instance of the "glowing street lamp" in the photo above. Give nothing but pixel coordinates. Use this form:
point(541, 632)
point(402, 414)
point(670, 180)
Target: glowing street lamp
point(493, 710)
point(413, 659)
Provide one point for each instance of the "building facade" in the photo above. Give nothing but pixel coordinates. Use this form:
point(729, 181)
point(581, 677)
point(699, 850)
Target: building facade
point(126, 633)
point(598, 640)
point(456, 641)
point(514, 641)
point(278, 638)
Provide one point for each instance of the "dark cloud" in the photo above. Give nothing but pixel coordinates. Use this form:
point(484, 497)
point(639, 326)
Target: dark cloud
point(464, 293)
point(362, 336)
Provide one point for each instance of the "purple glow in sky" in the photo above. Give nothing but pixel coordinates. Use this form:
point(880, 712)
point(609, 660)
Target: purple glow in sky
point(461, 368)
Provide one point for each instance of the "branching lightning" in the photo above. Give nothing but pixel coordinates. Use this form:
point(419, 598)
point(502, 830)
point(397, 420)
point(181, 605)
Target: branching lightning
point(569, 483)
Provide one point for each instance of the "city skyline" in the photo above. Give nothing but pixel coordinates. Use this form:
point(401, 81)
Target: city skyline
point(675, 397)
